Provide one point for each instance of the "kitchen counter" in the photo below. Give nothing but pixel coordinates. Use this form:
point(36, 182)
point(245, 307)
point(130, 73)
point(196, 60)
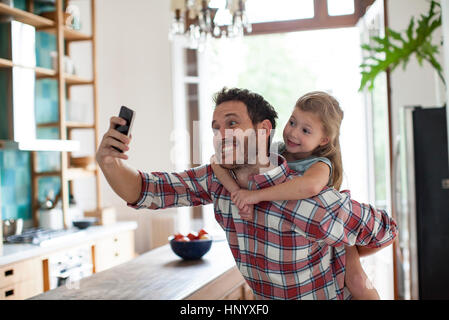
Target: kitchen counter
point(16, 252)
point(157, 275)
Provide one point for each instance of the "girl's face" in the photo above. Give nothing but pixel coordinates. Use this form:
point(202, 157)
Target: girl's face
point(303, 133)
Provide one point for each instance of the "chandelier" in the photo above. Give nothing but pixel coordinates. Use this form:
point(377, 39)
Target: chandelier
point(198, 22)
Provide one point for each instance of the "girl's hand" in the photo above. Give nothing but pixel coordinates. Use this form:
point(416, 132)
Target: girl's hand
point(213, 159)
point(247, 212)
point(244, 197)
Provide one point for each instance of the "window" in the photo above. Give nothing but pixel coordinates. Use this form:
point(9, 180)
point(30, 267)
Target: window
point(268, 10)
point(340, 7)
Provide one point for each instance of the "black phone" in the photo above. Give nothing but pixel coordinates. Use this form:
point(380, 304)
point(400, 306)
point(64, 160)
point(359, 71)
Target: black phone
point(128, 115)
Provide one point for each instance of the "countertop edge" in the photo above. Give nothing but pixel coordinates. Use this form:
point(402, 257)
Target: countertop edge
point(145, 277)
point(29, 251)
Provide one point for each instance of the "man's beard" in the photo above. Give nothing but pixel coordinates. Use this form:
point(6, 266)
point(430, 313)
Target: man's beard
point(234, 153)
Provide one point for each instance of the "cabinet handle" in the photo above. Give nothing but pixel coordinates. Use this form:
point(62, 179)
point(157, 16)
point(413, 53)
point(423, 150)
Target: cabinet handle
point(9, 293)
point(9, 273)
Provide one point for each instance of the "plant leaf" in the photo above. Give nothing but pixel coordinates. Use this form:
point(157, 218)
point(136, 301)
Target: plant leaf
point(385, 55)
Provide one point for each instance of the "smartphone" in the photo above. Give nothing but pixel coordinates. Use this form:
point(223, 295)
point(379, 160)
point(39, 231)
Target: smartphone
point(128, 115)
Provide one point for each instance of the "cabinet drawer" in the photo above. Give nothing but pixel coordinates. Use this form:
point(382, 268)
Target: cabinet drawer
point(22, 290)
point(20, 271)
point(114, 250)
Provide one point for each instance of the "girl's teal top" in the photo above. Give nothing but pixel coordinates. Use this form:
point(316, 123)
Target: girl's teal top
point(302, 165)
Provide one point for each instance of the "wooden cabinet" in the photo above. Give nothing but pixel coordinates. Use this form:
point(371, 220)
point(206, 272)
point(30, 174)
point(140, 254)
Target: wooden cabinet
point(229, 286)
point(21, 280)
point(241, 292)
point(114, 250)
point(27, 278)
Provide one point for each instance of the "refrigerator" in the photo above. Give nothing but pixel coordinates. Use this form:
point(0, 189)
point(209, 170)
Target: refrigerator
point(422, 204)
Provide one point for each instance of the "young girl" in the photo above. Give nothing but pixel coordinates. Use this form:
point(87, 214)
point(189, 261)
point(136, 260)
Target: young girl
point(311, 147)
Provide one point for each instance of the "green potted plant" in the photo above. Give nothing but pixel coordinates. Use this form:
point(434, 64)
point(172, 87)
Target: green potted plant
point(397, 48)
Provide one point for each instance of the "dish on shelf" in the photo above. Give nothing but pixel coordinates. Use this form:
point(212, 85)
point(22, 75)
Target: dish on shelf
point(84, 222)
point(81, 162)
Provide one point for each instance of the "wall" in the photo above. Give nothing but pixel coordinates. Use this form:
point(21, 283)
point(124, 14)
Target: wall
point(416, 85)
point(133, 57)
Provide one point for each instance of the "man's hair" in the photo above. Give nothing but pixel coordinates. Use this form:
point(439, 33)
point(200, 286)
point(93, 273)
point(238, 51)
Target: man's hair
point(258, 108)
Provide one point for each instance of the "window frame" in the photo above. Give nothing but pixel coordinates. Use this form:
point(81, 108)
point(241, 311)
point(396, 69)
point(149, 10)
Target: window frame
point(321, 20)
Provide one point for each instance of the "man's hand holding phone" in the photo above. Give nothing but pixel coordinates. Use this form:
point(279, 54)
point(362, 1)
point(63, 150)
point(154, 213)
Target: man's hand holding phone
point(124, 180)
point(106, 152)
point(116, 140)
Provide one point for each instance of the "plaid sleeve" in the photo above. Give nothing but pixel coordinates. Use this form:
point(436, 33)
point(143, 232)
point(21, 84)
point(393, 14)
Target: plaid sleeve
point(165, 190)
point(335, 218)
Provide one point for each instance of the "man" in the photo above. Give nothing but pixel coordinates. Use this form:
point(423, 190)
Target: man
point(290, 249)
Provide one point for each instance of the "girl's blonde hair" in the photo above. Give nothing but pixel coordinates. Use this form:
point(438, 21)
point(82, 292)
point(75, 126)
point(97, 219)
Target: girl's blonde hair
point(328, 110)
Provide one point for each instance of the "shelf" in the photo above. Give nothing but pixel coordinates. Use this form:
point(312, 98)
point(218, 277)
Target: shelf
point(27, 17)
point(42, 24)
point(42, 73)
point(70, 79)
point(4, 63)
point(73, 80)
point(64, 36)
point(72, 173)
point(74, 35)
point(69, 34)
point(79, 125)
point(41, 145)
point(69, 124)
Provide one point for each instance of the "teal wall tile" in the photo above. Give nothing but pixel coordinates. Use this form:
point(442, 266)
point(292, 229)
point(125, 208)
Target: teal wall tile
point(46, 102)
point(48, 161)
point(47, 133)
point(15, 184)
point(47, 184)
point(5, 75)
point(9, 212)
point(24, 212)
point(45, 45)
point(8, 195)
point(23, 195)
point(9, 159)
point(42, 7)
point(5, 51)
point(8, 177)
point(20, 4)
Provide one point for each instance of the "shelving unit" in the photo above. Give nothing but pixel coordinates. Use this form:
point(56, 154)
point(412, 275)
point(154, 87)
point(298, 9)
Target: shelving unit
point(64, 37)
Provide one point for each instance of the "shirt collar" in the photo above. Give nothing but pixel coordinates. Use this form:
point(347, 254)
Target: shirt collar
point(272, 177)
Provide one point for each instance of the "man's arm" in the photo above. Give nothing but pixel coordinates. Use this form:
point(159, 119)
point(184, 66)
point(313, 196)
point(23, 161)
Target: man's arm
point(155, 190)
point(162, 190)
point(125, 181)
point(333, 217)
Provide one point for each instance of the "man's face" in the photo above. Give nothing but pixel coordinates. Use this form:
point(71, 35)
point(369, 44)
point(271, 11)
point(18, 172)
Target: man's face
point(235, 136)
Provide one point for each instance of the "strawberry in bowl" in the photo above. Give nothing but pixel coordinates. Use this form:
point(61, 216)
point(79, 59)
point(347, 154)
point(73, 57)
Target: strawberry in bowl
point(191, 247)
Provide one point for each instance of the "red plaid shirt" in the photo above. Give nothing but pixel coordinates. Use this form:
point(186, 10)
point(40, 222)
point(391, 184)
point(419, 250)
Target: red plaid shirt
point(292, 249)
